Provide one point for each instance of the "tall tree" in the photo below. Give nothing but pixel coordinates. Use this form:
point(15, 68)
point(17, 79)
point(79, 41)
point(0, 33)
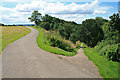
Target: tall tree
point(36, 17)
point(89, 32)
point(110, 46)
point(115, 22)
point(65, 30)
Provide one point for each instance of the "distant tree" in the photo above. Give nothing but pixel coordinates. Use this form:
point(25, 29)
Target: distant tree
point(36, 17)
point(1, 24)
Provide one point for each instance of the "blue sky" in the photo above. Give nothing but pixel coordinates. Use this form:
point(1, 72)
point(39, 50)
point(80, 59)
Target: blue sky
point(18, 11)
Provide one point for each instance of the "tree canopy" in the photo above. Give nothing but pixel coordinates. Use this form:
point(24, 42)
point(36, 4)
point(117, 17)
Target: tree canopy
point(36, 17)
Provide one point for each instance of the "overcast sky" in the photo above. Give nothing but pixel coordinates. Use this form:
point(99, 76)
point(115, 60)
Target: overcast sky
point(18, 11)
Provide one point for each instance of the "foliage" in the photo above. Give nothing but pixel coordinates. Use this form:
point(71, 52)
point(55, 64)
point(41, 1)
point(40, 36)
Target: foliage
point(109, 47)
point(41, 40)
point(89, 32)
point(115, 22)
point(45, 25)
point(55, 40)
point(47, 18)
point(107, 69)
point(101, 32)
point(35, 17)
point(65, 30)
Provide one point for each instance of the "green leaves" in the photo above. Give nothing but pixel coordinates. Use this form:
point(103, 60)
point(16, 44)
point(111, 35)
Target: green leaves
point(89, 32)
point(65, 30)
point(115, 22)
point(56, 40)
point(110, 46)
point(45, 25)
point(36, 17)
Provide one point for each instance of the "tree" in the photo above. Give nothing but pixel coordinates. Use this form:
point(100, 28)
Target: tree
point(1, 24)
point(89, 32)
point(36, 17)
point(100, 21)
point(65, 30)
point(110, 46)
point(115, 22)
point(45, 25)
point(47, 18)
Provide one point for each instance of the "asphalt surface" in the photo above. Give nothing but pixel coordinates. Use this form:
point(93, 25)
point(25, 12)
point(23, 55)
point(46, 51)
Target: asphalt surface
point(24, 59)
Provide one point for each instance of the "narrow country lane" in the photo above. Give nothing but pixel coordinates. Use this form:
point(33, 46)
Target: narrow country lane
point(24, 59)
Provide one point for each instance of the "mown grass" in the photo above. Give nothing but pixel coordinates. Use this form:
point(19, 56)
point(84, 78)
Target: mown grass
point(41, 43)
point(107, 69)
point(11, 33)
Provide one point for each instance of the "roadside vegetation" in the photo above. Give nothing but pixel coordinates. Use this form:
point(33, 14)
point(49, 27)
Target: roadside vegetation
point(51, 44)
point(11, 33)
point(101, 36)
point(107, 69)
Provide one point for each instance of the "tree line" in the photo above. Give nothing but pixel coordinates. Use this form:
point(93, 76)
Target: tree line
point(93, 32)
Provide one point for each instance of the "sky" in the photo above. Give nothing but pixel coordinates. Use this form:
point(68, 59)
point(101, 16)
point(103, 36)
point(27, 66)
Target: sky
point(18, 11)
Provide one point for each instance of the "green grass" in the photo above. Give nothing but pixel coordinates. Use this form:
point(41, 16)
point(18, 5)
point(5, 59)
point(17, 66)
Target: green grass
point(11, 33)
point(41, 43)
point(107, 69)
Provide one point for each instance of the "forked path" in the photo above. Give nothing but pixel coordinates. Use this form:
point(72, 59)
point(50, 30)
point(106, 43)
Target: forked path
point(24, 59)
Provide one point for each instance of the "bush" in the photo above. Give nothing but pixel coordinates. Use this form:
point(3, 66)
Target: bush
point(54, 39)
point(55, 42)
point(109, 50)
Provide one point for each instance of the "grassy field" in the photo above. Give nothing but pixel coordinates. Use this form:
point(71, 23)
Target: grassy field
point(41, 43)
point(11, 33)
point(107, 69)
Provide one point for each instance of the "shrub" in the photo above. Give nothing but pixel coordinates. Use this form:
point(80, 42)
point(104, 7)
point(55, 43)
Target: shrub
point(54, 39)
point(109, 50)
point(110, 46)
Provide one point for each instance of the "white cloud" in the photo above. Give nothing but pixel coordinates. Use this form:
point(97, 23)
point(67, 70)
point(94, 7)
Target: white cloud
point(4, 10)
point(59, 0)
point(58, 8)
point(71, 12)
point(94, 3)
point(99, 12)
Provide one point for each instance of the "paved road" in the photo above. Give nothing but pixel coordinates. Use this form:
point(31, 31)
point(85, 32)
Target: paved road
point(24, 59)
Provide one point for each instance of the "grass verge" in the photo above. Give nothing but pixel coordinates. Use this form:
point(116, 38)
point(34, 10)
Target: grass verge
point(11, 33)
point(107, 69)
point(41, 43)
